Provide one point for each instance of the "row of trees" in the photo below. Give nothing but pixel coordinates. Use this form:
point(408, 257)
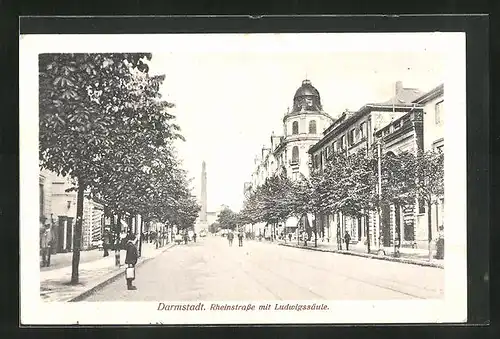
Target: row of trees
point(352, 185)
point(104, 124)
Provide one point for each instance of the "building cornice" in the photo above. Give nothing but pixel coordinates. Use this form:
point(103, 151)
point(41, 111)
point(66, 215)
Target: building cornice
point(334, 131)
point(432, 94)
point(305, 114)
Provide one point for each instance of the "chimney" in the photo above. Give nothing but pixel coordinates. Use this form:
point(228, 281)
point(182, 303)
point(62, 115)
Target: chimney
point(399, 87)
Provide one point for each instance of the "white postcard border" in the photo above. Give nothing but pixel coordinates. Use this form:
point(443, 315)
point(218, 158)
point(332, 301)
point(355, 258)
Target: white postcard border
point(452, 309)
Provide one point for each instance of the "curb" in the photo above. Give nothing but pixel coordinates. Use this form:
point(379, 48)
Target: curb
point(372, 256)
point(113, 277)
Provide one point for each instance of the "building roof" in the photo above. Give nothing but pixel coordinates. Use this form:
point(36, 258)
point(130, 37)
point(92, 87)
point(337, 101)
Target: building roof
point(307, 89)
point(433, 93)
point(403, 96)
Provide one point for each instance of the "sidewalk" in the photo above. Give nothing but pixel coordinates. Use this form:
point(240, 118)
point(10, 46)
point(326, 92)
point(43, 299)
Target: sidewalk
point(55, 284)
point(60, 260)
point(407, 255)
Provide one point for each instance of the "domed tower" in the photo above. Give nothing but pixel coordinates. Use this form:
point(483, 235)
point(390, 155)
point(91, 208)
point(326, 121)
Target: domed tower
point(307, 98)
point(303, 126)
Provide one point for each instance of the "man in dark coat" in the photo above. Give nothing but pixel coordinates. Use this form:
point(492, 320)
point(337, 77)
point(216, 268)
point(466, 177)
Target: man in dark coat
point(131, 260)
point(347, 239)
point(240, 239)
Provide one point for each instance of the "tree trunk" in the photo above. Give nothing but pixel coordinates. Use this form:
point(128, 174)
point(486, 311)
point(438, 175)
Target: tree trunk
point(339, 233)
point(429, 221)
point(315, 230)
point(367, 227)
point(140, 237)
point(118, 240)
point(77, 235)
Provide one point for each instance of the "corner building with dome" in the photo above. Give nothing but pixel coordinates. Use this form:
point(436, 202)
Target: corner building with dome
point(303, 126)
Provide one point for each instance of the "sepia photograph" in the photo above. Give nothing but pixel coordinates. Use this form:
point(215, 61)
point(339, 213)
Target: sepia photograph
point(243, 178)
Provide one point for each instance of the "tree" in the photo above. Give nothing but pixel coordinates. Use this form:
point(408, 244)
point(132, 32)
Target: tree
point(91, 108)
point(274, 200)
point(214, 227)
point(429, 168)
point(227, 219)
point(348, 185)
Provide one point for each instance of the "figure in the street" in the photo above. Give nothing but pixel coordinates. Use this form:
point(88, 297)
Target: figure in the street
point(46, 239)
point(105, 242)
point(240, 239)
point(440, 244)
point(194, 237)
point(304, 237)
point(230, 237)
point(290, 236)
point(131, 261)
point(347, 239)
point(185, 238)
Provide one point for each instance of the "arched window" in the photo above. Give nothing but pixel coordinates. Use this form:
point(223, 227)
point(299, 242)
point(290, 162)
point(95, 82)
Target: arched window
point(312, 127)
point(295, 127)
point(295, 154)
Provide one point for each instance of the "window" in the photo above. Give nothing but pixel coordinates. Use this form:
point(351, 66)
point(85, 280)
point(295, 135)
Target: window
point(352, 136)
point(335, 146)
point(342, 142)
point(295, 127)
point(295, 154)
point(439, 113)
point(362, 130)
point(397, 124)
point(316, 161)
point(312, 127)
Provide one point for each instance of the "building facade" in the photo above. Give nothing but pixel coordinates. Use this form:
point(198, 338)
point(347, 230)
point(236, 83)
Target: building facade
point(303, 126)
point(357, 131)
point(58, 208)
point(434, 109)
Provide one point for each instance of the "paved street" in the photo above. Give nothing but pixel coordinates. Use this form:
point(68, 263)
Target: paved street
point(211, 270)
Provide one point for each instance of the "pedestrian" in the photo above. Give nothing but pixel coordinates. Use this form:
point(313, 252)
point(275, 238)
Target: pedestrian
point(194, 237)
point(230, 237)
point(290, 236)
point(105, 242)
point(240, 239)
point(130, 261)
point(46, 239)
point(185, 238)
point(347, 239)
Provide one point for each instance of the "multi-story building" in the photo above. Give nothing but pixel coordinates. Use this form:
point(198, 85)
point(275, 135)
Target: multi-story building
point(352, 132)
point(45, 192)
point(303, 126)
point(93, 223)
point(58, 207)
point(421, 129)
point(433, 103)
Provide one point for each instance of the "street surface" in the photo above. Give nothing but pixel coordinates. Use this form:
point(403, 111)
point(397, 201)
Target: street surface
point(211, 270)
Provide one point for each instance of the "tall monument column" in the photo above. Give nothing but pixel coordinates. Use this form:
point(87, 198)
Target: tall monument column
point(203, 212)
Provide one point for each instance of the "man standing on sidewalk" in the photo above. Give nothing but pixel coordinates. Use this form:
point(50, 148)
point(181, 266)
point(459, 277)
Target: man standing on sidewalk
point(347, 239)
point(45, 245)
point(131, 261)
point(106, 242)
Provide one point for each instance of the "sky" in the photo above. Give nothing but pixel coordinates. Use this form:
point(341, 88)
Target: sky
point(229, 100)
